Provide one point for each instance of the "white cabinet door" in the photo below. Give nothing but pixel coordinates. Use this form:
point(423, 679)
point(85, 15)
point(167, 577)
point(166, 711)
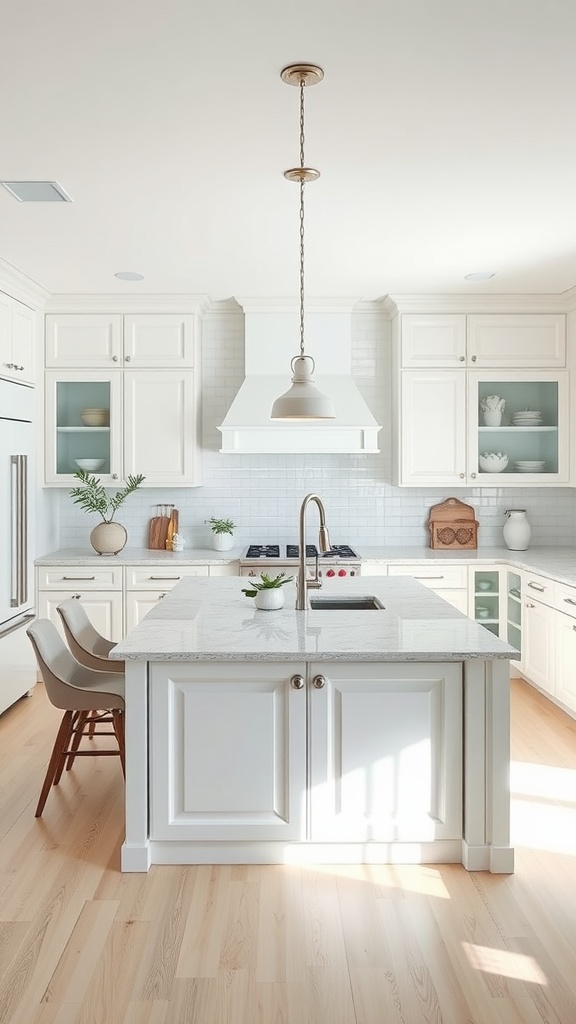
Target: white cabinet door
point(162, 340)
point(17, 340)
point(139, 603)
point(517, 340)
point(161, 428)
point(432, 431)
point(68, 396)
point(104, 609)
point(433, 340)
point(538, 652)
point(386, 752)
point(229, 751)
point(75, 340)
point(565, 642)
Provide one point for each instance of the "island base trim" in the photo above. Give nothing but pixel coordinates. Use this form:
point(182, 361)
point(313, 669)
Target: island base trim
point(496, 859)
point(135, 857)
point(166, 852)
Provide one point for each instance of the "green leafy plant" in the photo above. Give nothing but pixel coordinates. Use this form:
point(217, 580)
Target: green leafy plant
point(221, 525)
point(267, 583)
point(92, 497)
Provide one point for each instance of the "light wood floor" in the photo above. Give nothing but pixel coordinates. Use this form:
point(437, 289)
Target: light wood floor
point(81, 943)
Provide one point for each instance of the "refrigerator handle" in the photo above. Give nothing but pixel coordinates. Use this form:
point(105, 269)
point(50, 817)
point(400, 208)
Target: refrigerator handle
point(19, 530)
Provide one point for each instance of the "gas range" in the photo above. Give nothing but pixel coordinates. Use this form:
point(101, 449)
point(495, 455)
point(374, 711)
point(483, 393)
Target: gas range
point(340, 561)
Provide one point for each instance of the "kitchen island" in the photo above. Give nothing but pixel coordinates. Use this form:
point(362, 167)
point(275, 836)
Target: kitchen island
point(327, 736)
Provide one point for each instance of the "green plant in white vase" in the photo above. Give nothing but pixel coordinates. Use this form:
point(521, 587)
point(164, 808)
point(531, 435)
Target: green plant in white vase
point(267, 593)
point(222, 532)
point(109, 537)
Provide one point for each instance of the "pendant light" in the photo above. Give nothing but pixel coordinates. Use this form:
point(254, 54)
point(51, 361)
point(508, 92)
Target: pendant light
point(302, 401)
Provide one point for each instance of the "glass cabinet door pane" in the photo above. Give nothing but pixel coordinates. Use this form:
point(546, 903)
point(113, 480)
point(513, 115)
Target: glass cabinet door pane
point(528, 430)
point(487, 599)
point(83, 426)
point(514, 610)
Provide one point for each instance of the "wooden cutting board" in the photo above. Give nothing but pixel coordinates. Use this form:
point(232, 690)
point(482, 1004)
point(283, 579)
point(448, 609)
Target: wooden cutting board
point(453, 525)
point(157, 533)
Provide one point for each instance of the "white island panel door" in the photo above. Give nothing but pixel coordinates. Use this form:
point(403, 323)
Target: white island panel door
point(160, 427)
point(229, 751)
point(386, 753)
point(432, 437)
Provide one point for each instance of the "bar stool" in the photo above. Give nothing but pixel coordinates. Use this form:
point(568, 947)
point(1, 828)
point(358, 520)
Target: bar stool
point(88, 646)
point(84, 694)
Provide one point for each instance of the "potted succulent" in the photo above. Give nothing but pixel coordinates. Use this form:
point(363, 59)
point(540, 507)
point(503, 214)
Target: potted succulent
point(268, 594)
point(222, 532)
point(108, 538)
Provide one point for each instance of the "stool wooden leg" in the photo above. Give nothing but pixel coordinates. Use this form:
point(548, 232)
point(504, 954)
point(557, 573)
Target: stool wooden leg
point(57, 758)
point(78, 732)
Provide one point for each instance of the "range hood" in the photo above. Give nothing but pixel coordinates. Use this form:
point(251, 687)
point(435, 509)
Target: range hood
point(271, 340)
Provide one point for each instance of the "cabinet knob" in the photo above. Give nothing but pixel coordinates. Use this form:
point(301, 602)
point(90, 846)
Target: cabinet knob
point(128, 358)
point(473, 359)
point(462, 359)
point(530, 605)
point(114, 476)
point(297, 683)
point(114, 359)
point(473, 475)
point(318, 682)
point(462, 476)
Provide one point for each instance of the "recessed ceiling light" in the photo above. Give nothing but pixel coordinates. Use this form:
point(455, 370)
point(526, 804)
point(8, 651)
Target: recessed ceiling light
point(129, 275)
point(481, 275)
point(37, 191)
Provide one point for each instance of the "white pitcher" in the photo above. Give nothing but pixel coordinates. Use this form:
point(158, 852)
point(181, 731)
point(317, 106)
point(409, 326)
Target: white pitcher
point(517, 530)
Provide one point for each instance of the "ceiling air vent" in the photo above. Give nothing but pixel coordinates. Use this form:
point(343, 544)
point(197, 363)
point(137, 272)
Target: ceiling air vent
point(37, 191)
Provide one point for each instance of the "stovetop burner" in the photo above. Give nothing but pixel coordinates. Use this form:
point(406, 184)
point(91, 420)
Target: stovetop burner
point(263, 551)
point(293, 550)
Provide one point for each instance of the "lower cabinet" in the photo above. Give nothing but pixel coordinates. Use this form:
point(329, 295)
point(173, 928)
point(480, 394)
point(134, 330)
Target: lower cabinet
point(538, 656)
point(565, 637)
point(448, 581)
point(325, 752)
point(99, 591)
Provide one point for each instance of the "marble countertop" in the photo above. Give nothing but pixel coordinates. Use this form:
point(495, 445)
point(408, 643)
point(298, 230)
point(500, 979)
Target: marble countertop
point(558, 563)
point(211, 620)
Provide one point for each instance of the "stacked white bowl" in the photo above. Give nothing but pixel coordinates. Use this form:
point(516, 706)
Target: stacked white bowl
point(527, 418)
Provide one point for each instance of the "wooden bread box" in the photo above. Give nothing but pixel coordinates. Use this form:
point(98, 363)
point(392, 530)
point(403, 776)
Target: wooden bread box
point(453, 525)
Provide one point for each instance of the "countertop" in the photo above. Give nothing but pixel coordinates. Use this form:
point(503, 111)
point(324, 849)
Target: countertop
point(556, 562)
point(211, 620)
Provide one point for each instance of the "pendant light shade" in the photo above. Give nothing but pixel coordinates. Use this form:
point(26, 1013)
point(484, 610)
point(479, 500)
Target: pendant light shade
point(302, 401)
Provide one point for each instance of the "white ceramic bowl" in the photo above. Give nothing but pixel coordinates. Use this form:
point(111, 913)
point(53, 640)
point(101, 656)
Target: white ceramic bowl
point(484, 585)
point(90, 465)
point(95, 417)
point(492, 462)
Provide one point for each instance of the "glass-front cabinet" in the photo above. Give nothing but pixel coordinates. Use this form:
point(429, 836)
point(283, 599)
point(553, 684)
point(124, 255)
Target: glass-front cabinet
point(84, 426)
point(519, 428)
point(496, 602)
point(486, 598)
point(514, 609)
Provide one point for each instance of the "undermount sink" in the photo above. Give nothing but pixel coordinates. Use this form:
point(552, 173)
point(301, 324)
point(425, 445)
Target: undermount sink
point(352, 604)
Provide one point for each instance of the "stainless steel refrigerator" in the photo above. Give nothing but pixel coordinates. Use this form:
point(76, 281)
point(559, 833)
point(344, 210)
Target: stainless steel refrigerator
point(17, 446)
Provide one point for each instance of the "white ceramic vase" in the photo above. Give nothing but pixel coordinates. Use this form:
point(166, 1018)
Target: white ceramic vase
point(108, 538)
point(222, 541)
point(269, 600)
point(517, 530)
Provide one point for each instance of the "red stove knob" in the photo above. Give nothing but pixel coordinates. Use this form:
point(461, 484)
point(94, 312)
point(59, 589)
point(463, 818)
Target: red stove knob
point(330, 572)
point(342, 572)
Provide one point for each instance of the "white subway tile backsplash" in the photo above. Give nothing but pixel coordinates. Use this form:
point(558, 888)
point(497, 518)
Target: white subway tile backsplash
point(262, 493)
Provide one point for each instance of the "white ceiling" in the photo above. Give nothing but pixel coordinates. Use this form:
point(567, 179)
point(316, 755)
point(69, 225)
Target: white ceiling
point(444, 131)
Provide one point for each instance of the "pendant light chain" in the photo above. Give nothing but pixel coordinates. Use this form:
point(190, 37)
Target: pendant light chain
point(302, 218)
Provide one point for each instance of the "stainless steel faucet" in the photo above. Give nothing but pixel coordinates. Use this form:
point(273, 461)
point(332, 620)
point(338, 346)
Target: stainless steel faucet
point(303, 584)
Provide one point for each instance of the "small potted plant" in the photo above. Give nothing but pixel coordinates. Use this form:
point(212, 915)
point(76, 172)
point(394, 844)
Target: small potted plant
point(268, 594)
point(108, 538)
point(222, 533)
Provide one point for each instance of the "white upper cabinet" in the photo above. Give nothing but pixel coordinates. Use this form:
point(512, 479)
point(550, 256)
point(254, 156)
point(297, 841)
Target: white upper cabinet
point(499, 340)
point(102, 341)
point(433, 428)
point(17, 340)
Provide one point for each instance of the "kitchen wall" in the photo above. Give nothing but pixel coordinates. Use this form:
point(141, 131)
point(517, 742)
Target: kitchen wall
point(262, 493)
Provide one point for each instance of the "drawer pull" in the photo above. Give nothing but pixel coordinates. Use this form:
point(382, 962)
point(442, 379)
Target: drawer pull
point(535, 586)
point(74, 578)
point(569, 600)
point(176, 578)
point(428, 577)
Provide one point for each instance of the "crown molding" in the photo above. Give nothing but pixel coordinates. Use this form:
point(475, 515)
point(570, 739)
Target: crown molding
point(290, 304)
point(22, 287)
point(502, 303)
point(125, 303)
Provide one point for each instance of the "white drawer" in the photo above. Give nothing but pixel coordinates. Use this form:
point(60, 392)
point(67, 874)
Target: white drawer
point(538, 587)
point(437, 577)
point(159, 577)
point(83, 577)
point(565, 598)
